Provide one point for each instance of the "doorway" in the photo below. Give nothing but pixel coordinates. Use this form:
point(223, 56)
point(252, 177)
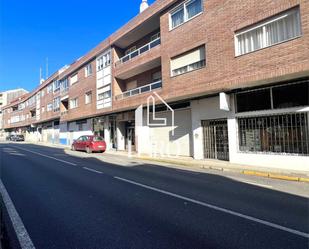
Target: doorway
point(130, 135)
point(216, 141)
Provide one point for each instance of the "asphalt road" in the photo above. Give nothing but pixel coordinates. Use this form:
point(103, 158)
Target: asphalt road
point(66, 201)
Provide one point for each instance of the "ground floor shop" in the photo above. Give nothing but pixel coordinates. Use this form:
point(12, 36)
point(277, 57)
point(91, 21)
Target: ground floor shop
point(70, 131)
point(265, 126)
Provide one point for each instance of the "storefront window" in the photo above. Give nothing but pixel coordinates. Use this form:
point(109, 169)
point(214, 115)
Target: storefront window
point(254, 100)
point(289, 95)
point(286, 133)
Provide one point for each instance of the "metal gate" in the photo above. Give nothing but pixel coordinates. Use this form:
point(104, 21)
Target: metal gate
point(216, 141)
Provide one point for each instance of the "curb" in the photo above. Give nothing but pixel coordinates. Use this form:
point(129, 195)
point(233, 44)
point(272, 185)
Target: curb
point(219, 168)
point(276, 176)
point(245, 172)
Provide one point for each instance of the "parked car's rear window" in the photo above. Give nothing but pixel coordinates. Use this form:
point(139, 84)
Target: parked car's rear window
point(96, 139)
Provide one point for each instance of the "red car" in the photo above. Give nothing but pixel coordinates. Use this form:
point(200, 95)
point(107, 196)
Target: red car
point(89, 144)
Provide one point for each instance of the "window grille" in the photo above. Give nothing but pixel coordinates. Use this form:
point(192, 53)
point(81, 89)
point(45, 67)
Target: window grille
point(285, 133)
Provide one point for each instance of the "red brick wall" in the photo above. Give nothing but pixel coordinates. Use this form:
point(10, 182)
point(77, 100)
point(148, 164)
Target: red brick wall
point(215, 28)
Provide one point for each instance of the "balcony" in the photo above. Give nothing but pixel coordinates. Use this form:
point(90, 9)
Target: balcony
point(145, 58)
point(64, 113)
point(64, 91)
point(140, 90)
point(139, 51)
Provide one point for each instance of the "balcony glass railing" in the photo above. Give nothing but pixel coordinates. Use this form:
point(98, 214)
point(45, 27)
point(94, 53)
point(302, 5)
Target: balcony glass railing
point(139, 51)
point(140, 90)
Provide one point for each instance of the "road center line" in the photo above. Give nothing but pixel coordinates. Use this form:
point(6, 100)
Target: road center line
point(93, 170)
point(267, 223)
point(20, 230)
point(54, 158)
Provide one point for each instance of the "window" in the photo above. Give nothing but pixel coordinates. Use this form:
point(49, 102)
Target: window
point(188, 62)
point(49, 107)
point(80, 128)
point(131, 85)
point(21, 106)
point(64, 85)
point(282, 96)
point(49, 88)
point(157, 76)
point(155, 36)
point(130, 50)
point(278, 29)
point(103, 61)
point(193, 7)
point(253, 100)
point(42, 93)
point(104, 95)
point(56, 85)
point(88, 70)
point(185, 12)
point(56, 104)
point(291, 95)
point(177, 17)
point(88, 98)
point(285, 133)
point(73, 79)
point(80, 124)
point(99, 63)
point(97, 139)
point(31, 101)
point(73, 103)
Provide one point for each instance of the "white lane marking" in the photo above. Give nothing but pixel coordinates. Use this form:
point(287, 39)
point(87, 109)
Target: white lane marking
point(9, 150)
point(54, 158)
point(93, 170)
point(16, 154)
point(257, 184)
point(224, 210)
point(20, 230)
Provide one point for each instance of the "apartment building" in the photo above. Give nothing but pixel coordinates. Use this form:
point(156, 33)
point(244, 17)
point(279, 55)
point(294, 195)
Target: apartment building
point(230, 80)
point(5, 98)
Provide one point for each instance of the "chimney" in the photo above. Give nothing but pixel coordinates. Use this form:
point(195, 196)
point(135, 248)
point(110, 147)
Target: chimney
point(144, 5)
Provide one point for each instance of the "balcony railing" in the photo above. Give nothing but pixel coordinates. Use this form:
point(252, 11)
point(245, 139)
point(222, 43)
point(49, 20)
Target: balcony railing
point(139, 51)
point(140, 90)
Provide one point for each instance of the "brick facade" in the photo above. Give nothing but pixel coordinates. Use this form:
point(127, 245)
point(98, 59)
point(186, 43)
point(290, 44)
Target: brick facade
point(214, 27)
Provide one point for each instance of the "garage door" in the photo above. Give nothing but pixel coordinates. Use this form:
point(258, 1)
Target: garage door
point(164, 142)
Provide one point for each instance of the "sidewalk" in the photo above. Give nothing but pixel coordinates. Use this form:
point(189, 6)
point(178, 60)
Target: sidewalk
point(275, 173)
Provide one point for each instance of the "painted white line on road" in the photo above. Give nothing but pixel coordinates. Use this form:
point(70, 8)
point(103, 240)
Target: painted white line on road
point(54, 158)
point(20, 230)
point(93, 170)
point(16, 154)
point(256, 184)
point(224, 210)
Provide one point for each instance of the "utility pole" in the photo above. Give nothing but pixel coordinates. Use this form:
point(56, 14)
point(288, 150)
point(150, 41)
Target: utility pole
point(40, 75)
point(46, 76)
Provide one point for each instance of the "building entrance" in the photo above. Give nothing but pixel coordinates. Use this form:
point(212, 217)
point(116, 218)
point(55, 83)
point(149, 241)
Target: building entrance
point(216, 141)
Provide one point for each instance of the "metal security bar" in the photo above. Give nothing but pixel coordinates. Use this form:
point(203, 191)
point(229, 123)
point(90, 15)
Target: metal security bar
point(216, 142)
point(284, 134)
